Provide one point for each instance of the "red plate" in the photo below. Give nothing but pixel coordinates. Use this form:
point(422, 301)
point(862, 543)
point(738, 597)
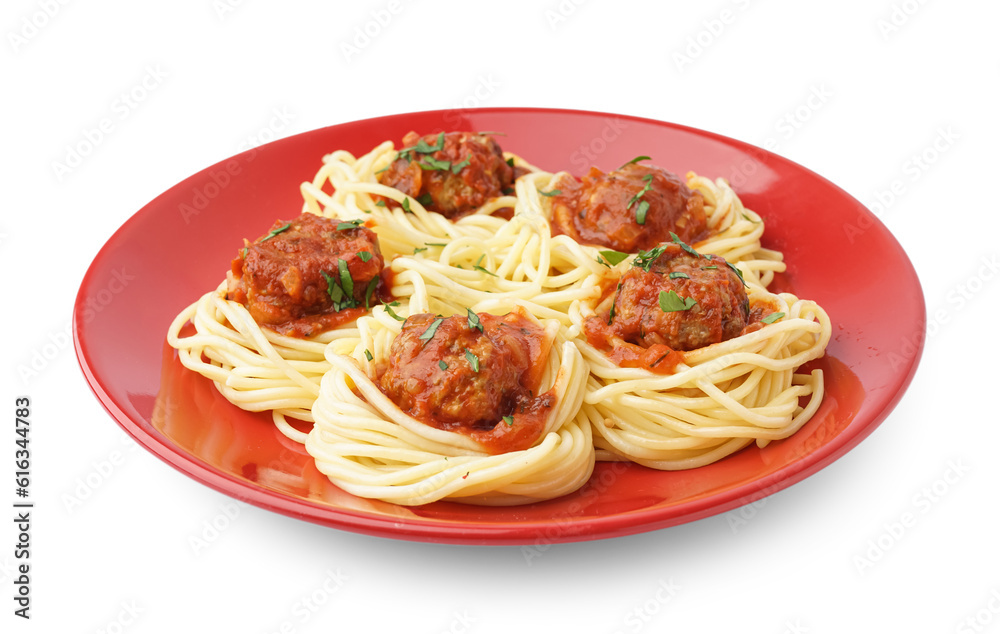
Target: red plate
point(179, 246)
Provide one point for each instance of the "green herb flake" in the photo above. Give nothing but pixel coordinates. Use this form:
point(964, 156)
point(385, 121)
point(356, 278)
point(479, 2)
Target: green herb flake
point(640, 212)
point(428, 334)
point(510, 161)
point(671, 302)
point(275, 232)
point(425, 199)
point(472, 359)
point(406, 205)
point(380, 203)
point(436, 244)
point(773, 317)
point(645, 188)
point(365, 255)
point(442, 365)
point(635, 160)
point(346, 282)
point(368, 354)
point(738, 272)
point(424, 148)
point(429, 163)
point(350, 224)
point(709, 268)
point(686, 246)
point(417, 250)
point(369, 290)
point(392, 313)
point(509, 420)
point(551, 193)
point(613, 257)
point(678, 275)
point(457, 167)
point(611, 313)
point(474, 323)
point(645, 259)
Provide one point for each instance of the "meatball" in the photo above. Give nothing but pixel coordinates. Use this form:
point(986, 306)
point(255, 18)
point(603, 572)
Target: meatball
point(306, 267)
point(674, 297)
point(454, 173)
point(451, 374)
point(632, 208)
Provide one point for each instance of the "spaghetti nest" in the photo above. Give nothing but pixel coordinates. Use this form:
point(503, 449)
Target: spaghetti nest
point(515, 262)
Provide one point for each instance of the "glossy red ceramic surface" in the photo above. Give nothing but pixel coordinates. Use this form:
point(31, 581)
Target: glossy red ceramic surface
point(179, 246)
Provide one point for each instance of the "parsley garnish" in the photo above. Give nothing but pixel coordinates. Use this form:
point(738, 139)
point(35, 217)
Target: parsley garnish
point(472, 359)
point(368, 354)
point(709, 268)
point(442, 365)
point(671, 302)
point(509, 420)
point(368, 292)
point(612, 257)
point(431, 163)
point(424, 148)
point(674, 275)
point(365, 255)
point(349, 224)
point(425, 199)
point(510, 161)
point(457, 167)
point(738, 272)
point(406, 205)
point(474, 323)
point(346, 281)
point(640, 212)
point(428, 334)
point(380, 203)
point(275, 232)
point(686, 246)
point(611, 313)
point(479, 268)
point(773, 317)
point(342, 294)
point(645, 259)
point(392, 313)
point(550, 194)
point(635, 160)
point(436, 244)
point(417, 250)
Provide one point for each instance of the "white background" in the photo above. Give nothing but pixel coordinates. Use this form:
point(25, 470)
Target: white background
point(858, 91)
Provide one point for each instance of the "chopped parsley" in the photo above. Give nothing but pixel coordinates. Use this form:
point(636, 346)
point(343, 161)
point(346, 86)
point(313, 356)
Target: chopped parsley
point(477, 267)
point(340, 289)
point(350, 224)
point(773, 317)
point(645, 259)
point(428, 334)
point(457, 167)
point(635, 160)
point(550, 194)
point(640, 212)
point(671, 302)
point(474, 323)
point(365, 255)
point(509, 420)
point(738, 272)
point(678, 275)
point(709, 268)
point(406, 205)
point(442, 365)
point(686, 246)
point(417, 250)
point(611, 313)
point(380, 203)
point(425, 199)
point(424, 148)
point(392, 313)
point(472, 359)
point(429, 163)
point(275, 232)
point(368, 354)
point(436, 244)
point(510, 161)
point(369, 290)
point(613, 258)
